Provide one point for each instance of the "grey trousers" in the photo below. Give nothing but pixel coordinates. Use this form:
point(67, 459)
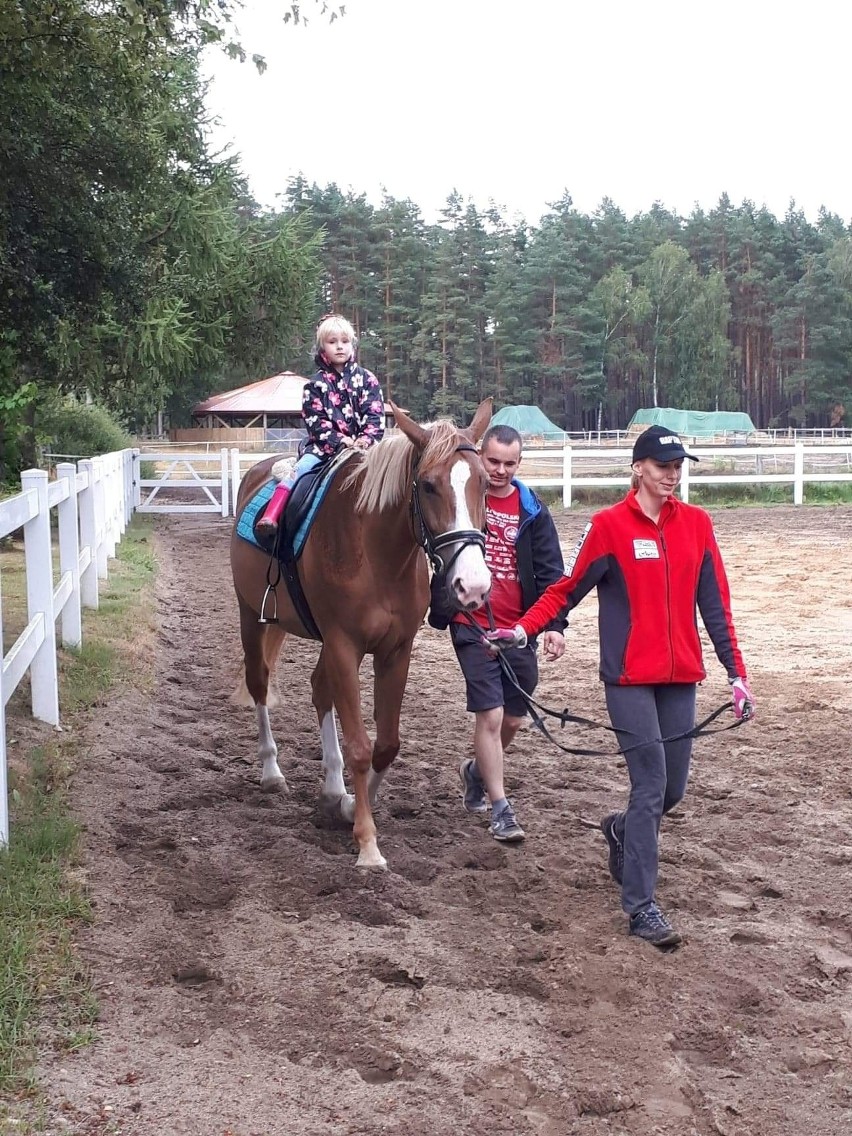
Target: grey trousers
point(658, 775)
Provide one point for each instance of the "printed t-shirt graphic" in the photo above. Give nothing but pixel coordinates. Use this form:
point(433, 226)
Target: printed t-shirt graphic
point(503, 516)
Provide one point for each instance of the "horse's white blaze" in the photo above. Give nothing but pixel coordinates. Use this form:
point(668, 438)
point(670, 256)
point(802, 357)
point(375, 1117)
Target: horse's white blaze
point(470, 578)
point(271, 776)
point(332, 758)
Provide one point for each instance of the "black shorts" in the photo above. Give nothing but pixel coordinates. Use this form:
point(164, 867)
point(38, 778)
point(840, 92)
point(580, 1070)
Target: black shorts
point(487, 685)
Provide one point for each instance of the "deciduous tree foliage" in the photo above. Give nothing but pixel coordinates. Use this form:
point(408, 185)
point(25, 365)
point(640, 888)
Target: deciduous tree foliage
point(131, 261)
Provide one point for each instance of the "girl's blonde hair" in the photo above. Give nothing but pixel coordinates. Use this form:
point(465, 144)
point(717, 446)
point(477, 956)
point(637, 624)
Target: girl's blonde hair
point(331, 323)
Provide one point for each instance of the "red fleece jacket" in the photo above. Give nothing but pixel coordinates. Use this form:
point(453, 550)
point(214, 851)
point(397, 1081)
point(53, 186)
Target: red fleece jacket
point(650, 579)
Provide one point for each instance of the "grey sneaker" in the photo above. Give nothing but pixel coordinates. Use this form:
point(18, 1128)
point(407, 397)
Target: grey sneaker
point(505, 826)
point(474, 788)
point(616, 848)
point(651, 925)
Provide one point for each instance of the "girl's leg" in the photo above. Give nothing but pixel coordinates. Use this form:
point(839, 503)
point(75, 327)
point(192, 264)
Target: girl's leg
point(633, 713)
point(276, 504)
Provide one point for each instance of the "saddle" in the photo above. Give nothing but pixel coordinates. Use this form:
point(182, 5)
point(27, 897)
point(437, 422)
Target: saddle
point(288, 543)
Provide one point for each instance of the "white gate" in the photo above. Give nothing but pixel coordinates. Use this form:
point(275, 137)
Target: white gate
point(182, 483)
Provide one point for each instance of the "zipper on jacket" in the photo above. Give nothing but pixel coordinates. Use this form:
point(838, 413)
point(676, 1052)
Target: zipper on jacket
point(668, 602)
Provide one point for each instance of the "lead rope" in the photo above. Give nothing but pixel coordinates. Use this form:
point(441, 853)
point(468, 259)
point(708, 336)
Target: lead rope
point(564, 716)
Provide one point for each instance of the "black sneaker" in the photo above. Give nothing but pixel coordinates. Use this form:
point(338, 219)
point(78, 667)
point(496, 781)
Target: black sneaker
point(616, 848)
point(651, 925)
point(474, 788)
point(504, 826)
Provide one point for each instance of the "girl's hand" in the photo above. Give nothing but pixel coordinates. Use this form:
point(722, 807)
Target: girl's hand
point(361, 443)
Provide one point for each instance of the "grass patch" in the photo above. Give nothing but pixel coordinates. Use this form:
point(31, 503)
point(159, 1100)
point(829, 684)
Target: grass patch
point(731, 496)
point(38, 912)
point(44, 992)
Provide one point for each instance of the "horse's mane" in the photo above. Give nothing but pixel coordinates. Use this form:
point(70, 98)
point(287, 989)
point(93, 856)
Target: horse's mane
point(386, 469)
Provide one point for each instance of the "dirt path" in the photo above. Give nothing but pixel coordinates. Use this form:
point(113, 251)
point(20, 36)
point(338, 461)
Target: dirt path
point(253, 983)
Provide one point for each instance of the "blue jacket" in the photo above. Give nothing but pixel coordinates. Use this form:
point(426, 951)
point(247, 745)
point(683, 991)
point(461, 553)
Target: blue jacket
point(539, 558)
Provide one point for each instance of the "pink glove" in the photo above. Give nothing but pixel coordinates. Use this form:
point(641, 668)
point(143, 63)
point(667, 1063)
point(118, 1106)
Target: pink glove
point(505, 637)
point(743, 699)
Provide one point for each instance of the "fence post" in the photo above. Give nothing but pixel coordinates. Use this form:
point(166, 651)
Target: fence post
point(88, 535)
point(69, 556)
point(111, 530)
point(38, 563)
point(225, 478)
point(566, 477)
point(137, 479)
point(100, 550)
point(684, 482)
point(798, 473)
point(128, 487)
point(235, 477)
point(4, 782)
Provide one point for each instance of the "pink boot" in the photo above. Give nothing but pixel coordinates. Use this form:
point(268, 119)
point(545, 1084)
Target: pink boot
point(268, 523)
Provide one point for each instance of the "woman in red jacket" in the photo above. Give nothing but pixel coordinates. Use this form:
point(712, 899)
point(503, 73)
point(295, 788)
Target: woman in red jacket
point(653, 560)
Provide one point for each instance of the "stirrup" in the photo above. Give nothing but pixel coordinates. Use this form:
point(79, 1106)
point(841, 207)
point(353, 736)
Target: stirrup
point(262, 617)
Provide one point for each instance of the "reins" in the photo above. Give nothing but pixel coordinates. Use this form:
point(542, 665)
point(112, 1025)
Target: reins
point(538, 712)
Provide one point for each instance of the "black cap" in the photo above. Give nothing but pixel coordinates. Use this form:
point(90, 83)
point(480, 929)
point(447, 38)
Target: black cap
point(660, 444)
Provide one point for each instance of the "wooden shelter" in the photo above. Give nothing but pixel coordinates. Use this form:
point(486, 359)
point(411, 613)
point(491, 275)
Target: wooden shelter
point(270, 404)
point(265, 414)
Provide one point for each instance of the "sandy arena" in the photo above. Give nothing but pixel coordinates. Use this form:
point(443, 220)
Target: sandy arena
point(252, 982)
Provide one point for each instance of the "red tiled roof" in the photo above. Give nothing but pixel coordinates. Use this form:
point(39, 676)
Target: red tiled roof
point(279, 394)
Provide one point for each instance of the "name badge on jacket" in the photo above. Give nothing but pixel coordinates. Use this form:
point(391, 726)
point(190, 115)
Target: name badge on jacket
point(645, 550)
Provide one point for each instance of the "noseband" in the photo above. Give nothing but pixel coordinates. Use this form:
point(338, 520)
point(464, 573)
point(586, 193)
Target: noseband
point(432, 544)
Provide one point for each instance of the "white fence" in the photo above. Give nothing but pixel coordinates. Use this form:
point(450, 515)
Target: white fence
point(209, 483)
point(94, 501)
point(796, 465)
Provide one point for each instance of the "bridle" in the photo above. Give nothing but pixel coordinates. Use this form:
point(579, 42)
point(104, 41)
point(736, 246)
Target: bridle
point(433, 544)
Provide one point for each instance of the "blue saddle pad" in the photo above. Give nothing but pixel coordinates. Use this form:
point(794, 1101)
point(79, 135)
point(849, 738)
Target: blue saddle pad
point(245, 524)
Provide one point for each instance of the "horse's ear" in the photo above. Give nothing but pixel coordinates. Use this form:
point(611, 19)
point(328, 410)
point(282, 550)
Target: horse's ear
point(414, 432)
point(481, 419)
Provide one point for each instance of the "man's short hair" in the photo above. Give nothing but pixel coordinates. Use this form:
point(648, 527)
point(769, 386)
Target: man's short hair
point(505, 435)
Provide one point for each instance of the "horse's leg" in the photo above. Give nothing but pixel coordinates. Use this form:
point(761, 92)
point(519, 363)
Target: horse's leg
point(390, 676)
point(261, 644)
point(341, 663)
point(334, 790)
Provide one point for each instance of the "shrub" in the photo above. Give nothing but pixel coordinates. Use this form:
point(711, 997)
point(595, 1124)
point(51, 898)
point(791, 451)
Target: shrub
point(76, 430)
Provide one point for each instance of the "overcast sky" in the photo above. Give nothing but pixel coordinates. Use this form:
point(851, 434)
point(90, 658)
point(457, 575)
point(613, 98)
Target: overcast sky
point(517, 102)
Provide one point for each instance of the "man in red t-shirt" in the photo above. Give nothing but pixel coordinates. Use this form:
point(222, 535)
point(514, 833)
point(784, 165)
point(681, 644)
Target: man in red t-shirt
point(523, 554)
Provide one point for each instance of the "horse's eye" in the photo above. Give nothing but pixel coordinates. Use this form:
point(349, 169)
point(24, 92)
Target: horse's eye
point(428, 487)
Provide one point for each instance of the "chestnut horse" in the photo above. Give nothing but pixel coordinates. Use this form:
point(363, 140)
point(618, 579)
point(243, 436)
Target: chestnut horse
point(364, 573)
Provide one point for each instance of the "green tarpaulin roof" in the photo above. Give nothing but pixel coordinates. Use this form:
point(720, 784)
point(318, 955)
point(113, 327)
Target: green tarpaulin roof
point(526, 420)
point(694, 423)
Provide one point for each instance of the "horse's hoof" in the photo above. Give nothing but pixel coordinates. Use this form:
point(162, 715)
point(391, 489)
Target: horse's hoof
point(273, 785)
point(375, 863)
point(347, 808)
